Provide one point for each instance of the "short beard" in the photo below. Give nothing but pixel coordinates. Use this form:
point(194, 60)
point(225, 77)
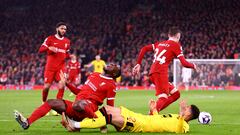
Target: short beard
point(59, 33)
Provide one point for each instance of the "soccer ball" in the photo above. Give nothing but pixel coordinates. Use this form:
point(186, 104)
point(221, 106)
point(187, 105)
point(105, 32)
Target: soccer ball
point(204, 118)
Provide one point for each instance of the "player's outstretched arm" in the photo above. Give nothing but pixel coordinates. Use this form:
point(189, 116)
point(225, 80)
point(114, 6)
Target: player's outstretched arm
point(185, 63)
point(136, 69)
point(152, 107)
point(145, 49)
point(72, 88)
point(182, 107)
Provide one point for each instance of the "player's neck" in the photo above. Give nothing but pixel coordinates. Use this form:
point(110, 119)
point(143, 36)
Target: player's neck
point(73, 61)
point(173, 39)
point(59, 37)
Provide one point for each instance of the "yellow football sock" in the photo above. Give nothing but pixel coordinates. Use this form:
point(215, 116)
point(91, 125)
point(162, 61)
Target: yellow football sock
point(94, 123)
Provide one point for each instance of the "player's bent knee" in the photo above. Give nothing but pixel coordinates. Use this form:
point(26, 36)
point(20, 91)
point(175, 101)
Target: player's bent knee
point(57, 104)
point(79, 105)
point(108, 109)
point(46, 87)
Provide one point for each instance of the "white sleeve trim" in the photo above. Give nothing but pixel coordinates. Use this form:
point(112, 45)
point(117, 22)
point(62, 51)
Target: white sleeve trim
point(111, 98)
point(180, 55)
point(45, 45)
point(153, 46)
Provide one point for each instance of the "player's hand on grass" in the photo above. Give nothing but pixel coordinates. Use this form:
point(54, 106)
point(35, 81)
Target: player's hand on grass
point(136, 69)
point(53, 49)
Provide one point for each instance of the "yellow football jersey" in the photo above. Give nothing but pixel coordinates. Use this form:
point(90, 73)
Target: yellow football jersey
point(136, 122)
point(98, 66)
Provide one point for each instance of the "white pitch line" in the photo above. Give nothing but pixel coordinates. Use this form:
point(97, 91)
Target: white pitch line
point(202, 97)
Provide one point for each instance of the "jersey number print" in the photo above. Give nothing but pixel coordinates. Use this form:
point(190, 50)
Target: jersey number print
point(159, 56)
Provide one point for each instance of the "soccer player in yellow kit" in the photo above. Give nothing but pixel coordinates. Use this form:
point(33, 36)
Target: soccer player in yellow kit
point(98, 64)
point(125, 120)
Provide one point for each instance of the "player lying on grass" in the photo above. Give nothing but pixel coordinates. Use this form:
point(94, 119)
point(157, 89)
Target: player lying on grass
point(125, 120)
point(89, 97)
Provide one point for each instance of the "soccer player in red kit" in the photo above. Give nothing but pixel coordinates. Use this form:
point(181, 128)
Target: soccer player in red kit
point(57, 48)
point(89, 97)
point(164, 53)
point(74, 70)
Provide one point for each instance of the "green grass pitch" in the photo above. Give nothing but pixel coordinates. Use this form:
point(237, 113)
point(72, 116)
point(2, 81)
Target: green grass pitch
point(223, 105)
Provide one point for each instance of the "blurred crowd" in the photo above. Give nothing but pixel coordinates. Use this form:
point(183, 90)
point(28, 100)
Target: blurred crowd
point(116, 30)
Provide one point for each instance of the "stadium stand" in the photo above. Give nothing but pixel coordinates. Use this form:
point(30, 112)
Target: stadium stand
point(116, 30)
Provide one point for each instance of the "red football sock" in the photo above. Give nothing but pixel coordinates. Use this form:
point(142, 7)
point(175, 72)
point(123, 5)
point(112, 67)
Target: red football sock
point(160, 103)
point(39, 112)
point(172, 98)
point(44, 95)
point(89, 112)
point(60, 93)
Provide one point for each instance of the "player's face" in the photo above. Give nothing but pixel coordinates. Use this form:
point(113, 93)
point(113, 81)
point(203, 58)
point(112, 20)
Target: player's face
point(61, 30)
point(98, 57)
point(73, 57)
point(188, 111)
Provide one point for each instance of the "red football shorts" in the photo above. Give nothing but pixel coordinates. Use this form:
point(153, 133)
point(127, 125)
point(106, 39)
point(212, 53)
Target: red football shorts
point(50, 76)
point(161, 83)
point(73, 78)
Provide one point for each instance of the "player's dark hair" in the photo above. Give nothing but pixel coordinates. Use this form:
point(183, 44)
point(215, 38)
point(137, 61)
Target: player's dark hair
point(195, 112)
point(115, 73)
point(119, 72)
point(60, 23)
point(173, 31)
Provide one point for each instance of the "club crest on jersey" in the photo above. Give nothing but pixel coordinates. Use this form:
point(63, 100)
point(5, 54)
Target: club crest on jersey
point(66, 45)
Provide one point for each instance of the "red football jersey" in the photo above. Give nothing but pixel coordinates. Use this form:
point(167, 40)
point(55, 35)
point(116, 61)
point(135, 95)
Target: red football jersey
point(73, 69)
point(55, 61)
point(164, 53)
point(97, 88)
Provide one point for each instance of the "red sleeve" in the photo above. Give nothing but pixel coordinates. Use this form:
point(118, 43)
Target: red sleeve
point(68, 50)
point(178, 50)
point(185, 63)
point(111, 96)
point(143, 51)
point(179, 53)
point(44, 46)
point(72, 88)
point(68, 67)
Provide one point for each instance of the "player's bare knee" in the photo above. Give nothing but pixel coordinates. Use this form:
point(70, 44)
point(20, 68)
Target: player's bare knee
point(108, 109)
point(46, 87)
point(56, 104)
point(60, 85)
